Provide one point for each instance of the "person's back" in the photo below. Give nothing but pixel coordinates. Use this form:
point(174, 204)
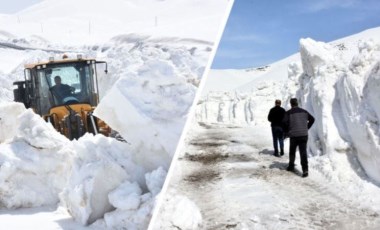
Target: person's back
point(299, 122)
point(276, 115)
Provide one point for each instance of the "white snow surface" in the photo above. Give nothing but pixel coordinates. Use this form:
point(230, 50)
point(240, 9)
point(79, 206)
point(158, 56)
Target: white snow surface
point(91, 22)
point(179, 212)
point(156, 53)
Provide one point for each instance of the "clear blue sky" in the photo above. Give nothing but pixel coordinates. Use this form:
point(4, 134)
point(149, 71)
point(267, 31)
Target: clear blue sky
point(13, 6)
point(260, 32)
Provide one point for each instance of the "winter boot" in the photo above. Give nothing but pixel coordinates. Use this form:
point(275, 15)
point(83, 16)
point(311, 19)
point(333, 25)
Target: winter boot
point(305, 174)
point(282, 152)
point(276, 153)
point(290, 168)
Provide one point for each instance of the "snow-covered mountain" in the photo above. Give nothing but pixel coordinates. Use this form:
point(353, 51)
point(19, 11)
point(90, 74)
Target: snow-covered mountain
point(239, 79)
point(338, 82)
point(75, 22)
point(156, 53)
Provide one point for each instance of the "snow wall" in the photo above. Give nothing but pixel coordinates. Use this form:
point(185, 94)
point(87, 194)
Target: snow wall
point(341, 92)
point(344, 99)
point(95, 177)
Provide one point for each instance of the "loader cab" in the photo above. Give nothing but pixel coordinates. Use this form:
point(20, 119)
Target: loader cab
point(41, 92)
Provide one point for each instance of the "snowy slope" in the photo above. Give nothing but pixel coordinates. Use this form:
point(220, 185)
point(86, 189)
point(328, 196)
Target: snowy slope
point(338, 83)
point(75, 22)
point(154, 70)
point(245, 79)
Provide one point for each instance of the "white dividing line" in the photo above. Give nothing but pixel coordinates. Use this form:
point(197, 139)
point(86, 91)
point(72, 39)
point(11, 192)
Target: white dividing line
point(191, 115)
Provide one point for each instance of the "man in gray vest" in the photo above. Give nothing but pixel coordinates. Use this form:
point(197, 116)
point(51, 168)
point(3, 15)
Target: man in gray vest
point(297, 122)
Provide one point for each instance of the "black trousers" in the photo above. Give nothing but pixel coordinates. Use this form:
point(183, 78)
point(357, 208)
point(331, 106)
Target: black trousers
point(278, 137)
point(301, 142)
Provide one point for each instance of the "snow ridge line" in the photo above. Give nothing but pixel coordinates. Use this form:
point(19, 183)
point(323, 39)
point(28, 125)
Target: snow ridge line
point(132, 38)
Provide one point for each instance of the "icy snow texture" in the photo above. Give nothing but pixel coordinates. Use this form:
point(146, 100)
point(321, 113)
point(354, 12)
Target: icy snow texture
point(345, 101)
point(179, 212)
point(126, 196)
point(155, 180)
point(8, 123)
point(94, 175)
point(133, 209)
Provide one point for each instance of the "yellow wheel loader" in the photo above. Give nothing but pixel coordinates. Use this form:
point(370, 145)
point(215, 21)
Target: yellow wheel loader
point(65, 93)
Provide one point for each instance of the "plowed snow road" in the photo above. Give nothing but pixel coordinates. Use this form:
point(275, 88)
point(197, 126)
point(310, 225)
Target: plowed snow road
point(232, 176)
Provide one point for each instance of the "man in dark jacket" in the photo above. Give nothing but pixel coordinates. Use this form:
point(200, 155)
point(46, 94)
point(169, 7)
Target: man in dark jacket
point(61, 91)
point(297, 122)
point(275, 116)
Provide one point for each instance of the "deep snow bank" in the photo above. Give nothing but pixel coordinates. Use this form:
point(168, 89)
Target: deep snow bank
point(344, 99)
point(145, 96)
point(239, 107)
point(153, 87)
point(34, 164)
point(339, 84)
point(93, 177)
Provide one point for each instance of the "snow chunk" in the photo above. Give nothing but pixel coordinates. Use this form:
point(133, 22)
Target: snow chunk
point(314, 55)
point(126, 196)
point(86, 197)
point(155, 180)
point(130, 219)
point(96, 172)
point(179, 212)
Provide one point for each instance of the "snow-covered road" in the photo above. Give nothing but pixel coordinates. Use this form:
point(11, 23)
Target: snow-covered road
point(230, 173)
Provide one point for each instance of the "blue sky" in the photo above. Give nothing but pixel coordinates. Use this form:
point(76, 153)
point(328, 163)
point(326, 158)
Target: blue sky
point(13, 6)
point(260, 32)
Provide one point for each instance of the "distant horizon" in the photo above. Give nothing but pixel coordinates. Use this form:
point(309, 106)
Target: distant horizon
point(260, 33)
